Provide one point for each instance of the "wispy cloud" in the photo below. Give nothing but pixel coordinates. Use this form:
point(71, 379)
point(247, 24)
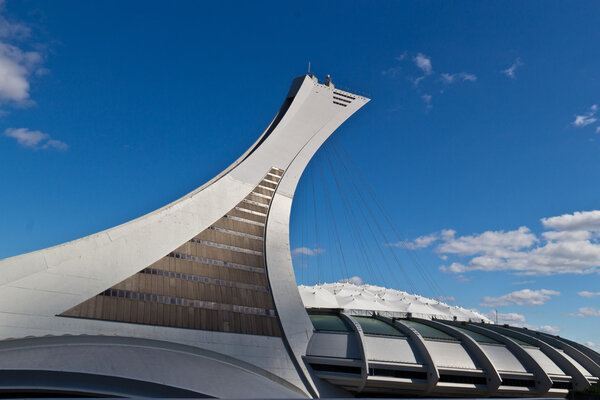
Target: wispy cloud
point(508, 318)
point(587, 118)
point(418, 243)
point(585, 293)
point(450, 299)
point(515, 319)
point(523, 282)
point(525, 297)
point(355, 280)
point(553, 330)
point(395, 70)
point(423, 63)
point(20, 60)
point(17, 63)
point(510, 71)
point(586, 312)
point(460, 76)
point(307, 251)
point(35, 140)
point(427, 99)
point(425, 240)
point(592, 344)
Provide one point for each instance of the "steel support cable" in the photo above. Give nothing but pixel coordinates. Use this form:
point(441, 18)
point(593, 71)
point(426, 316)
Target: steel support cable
point(357, 238)
point(312, 175)
point(333, 255)
point(427, 277)
point(430, 282)
point(379, 228)
point(304, 233)
point(337, 235)
point(329, 232)
point(354, 224)
point(358, 199)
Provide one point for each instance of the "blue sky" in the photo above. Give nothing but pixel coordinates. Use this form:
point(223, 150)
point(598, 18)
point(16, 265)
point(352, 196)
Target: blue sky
point(481, 143)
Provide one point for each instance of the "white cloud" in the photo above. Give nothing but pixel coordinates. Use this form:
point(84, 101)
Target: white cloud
point(525, 297)
point(508, 318)
point(587, 118)
point(424, 63)
point(583, 120)
point(17, 65)
point(552, 330)
point(566, 236)
point(578, 221)
point(355, 280)
point(495, 243)
point(56, 144)
point(446, 298)
point(12, 29)
point(571, 246)
point(402, 56)
point(592, 344)
point(418, 243)
point(510, 71)
point(598, 129)
point(34, 139)
point(523, 282)
point(519, 320)
point(307, 251)
point(392, 71)
point(586, 312)
point(461, 76)
point(585, 293)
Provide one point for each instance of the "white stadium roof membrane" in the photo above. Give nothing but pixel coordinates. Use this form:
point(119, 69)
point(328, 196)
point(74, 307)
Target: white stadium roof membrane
point(351, 297)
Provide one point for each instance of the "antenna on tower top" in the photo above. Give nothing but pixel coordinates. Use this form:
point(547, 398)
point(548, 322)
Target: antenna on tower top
point(309, 67)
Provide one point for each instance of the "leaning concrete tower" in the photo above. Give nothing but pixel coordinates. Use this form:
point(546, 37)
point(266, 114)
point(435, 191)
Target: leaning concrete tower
point(185, 298)
point(199, 299)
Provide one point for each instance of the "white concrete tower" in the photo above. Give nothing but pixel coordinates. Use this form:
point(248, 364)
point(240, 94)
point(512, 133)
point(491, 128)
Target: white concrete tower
point(185, 297)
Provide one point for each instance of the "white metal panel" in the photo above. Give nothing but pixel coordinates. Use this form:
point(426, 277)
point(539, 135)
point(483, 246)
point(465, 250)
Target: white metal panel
point(575, 363)
point(391, 350)
point(449, 354)
point(546, 363)
point(338, 345)
point(502, 358)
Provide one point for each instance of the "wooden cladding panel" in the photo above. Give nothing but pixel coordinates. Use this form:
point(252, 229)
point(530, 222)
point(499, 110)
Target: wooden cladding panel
point(264, 191)
point(240, 226)
point(254, 207)
point(141, 312)
point(258, 199)
point(216, 281)
point(268, 184)
point(249, 216)
point(231, 240)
